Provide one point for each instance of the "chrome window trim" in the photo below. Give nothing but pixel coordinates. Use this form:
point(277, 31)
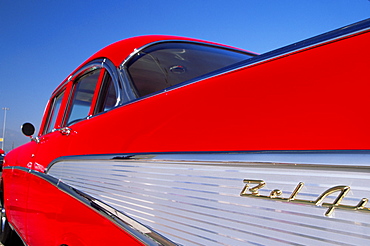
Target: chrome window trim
point(319, 40)
point(112, 70)
point(54, 97)
point(138, 50)
point(128, 89)
point(129, 84)
point(139, 231)
point(353, 160)
point(316, 41)
point(100, 63)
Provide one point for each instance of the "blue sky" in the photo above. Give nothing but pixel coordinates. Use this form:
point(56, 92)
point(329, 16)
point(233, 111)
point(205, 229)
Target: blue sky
point(43, 41)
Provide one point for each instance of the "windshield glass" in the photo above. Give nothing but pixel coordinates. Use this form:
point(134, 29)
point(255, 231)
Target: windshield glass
point(167, 64)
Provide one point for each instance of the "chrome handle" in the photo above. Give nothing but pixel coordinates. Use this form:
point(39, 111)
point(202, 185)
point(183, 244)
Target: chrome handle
point(64, 131)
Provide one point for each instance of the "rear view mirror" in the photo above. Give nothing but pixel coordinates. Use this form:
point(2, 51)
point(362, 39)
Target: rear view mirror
point(28, 129)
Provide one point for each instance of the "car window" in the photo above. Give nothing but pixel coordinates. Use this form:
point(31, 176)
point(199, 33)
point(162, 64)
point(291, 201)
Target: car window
point(166, 64)
point(53, 113)
point(108, 95)
point(82, 95)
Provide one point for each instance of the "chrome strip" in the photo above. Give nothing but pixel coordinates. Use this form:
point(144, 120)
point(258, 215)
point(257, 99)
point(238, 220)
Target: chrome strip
point(134, 228)
point(113, 72)
point(140, 49)
point(320, 158)
point(343, 32)
point(109, 66)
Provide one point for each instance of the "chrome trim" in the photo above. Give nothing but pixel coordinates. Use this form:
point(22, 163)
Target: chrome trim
point(90, 66)
point(64, 130)
point(343, 159)
point(142, 233)
point(129, 85)
point(115, 74)
point(194, 198)
point(35, 139)
point(109, 66)
point(138, 50)
point(319, 40)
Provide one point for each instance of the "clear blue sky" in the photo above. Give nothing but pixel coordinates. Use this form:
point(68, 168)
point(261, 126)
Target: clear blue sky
point(43, 41)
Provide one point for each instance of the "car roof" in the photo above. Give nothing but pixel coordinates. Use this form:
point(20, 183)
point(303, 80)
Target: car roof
point(117, 52)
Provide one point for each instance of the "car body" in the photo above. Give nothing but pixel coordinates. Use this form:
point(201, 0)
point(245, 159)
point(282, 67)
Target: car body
point(164, 140)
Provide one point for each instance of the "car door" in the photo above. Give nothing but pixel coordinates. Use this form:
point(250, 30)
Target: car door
point(74, 100)
point(83, 133)
point(90, 92)
point(72, 105)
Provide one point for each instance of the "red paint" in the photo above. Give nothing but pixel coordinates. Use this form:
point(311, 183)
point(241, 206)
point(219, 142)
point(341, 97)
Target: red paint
point(314, 99)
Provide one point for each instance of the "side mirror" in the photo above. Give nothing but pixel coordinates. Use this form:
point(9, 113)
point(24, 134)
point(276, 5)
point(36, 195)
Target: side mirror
point(28, 129)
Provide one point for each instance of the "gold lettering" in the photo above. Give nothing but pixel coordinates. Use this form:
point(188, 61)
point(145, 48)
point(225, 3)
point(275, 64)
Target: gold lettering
point(343, 192)
point(296, 191)
point(276, 193)
point(253, 190)
point(362, 203)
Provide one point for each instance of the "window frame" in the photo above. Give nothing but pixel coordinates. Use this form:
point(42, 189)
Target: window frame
point(105, 66)
point(66, 87)
point(49, 116)
point(76, 90)
point(101, 97)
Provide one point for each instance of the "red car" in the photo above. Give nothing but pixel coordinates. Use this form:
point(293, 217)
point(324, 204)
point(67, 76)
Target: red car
point(163, 140)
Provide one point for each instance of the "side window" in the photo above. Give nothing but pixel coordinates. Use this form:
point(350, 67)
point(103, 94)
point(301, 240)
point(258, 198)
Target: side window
point(167, 64)
point(82, 95)
point(108, 95)
point(57, 101)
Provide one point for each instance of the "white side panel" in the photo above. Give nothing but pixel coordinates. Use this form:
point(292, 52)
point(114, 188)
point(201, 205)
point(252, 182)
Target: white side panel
point(199, 203)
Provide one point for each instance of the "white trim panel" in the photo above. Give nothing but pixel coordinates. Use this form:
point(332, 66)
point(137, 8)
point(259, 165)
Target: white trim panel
point(199, 203)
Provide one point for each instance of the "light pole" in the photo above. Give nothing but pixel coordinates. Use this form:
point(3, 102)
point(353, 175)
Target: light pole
point(2, 144)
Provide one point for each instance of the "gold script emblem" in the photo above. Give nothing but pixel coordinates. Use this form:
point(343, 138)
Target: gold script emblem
point(276, 194)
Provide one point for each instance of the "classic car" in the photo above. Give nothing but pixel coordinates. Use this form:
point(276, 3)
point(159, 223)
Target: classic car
point(165, 140)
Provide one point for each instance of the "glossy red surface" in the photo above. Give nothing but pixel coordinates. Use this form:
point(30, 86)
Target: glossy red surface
point(55, 218)
point(313, 99)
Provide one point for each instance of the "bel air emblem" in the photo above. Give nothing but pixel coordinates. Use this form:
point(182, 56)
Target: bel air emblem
point(319, 201)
